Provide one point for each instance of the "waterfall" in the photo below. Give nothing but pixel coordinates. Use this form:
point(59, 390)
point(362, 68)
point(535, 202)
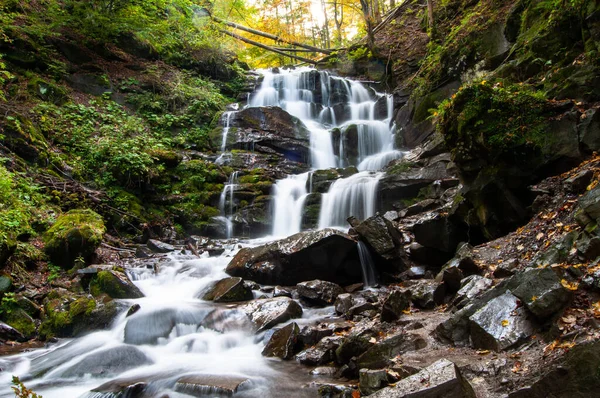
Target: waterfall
point(353, 196)
point(290, 194)
point(367, 264)
point(227, 194)
point(324, 102)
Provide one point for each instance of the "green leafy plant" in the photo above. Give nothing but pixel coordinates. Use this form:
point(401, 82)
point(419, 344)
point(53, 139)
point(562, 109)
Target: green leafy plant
point(8, 304)
point(21, 391)
point(54, 272)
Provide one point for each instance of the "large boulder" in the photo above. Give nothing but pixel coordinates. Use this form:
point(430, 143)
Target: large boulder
point(75, 234)
point(229, 290)
point(501, 324)
point(115, 284)
point(542, 292)
point(319, 292)
point(381, 236)
point(266, 313)
point(440, 379)
point(327, 254)
point(111, 361)
point(199, 385)
point(283, 342)
point(267, 129)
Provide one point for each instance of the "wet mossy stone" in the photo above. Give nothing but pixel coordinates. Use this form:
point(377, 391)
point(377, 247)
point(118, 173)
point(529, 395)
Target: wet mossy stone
point(115, 284)
point(47, 91)
point(5, 284)
point(77, 233)
point(21, 321)
point(229, 290)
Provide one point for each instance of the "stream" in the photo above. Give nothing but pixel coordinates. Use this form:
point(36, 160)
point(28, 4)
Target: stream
point(167, 340)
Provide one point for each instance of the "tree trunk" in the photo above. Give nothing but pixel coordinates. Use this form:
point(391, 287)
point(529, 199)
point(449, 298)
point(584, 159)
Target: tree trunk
point(430, 17)
point(367, 14)
point(326, 27)
point(338, 17)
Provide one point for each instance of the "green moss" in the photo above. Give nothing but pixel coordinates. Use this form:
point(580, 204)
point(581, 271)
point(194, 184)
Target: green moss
point(82, 306)
point(494, 118)
point(106, 283)
point(20, 320)
point(47, 91)
point(75, 234)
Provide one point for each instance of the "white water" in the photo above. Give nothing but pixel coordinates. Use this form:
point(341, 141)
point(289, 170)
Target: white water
point(368, 265)
point(183, 348)
point(225, 199)
point(313, 97)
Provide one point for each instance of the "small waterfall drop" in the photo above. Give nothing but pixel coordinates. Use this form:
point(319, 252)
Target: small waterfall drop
point(368, 265)
point(226, 202)
point(290, 194)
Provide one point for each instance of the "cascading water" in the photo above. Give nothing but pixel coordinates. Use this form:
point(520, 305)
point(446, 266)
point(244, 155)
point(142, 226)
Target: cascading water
point(227, 198)
point(368, 265)
point(325, 103)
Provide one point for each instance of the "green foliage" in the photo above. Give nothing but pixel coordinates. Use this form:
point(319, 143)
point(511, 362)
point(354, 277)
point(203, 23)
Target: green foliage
point(54, 272)
point(8, 304)
point(22, 206)
point(4, 74)
point(21, 391)
point(360, 53)
point(494, 117)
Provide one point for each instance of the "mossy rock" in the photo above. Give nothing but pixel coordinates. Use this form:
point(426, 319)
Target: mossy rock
point(47, 91)
point(68, 315)
point(77, 233)
point(23, 138)
point(168, 158)
point(23, 322)
point(5, 284)
point(115, 284)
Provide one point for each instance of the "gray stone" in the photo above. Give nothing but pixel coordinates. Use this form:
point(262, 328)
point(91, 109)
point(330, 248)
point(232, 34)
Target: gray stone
point(381, 353)
point(5, 284)
point(500, 324)
point(322, 353)
point(372, 380)
point(112, 361)
point(381, 236)
point(590, 203)
point(159, 247)
point(283, 342)
point(266, 313)
point(202, 385)
point(7, 333)
point(280, 291)
point(425, 293)
point(147, 328)
point(394, 305)
point(542, 292)
point(579, 182)
point(506, 268)
point(588, 247)
point(472, 287)
point(326, 254)
point(319, 292)
point(229, 290)
point(440, 379)
point(343, 303)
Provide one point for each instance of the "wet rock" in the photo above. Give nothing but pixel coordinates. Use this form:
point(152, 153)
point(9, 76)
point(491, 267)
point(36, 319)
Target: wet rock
point(266, 313)
point(75, 234)
point(7, 333)
point(542, 292)
point(439, 233)
point(588, 247)
point(114, 283)
point(574, 375)
point(506, 268)
point(133, 309)
point(319, 292)
point(460, 266)
point(472, 286)
point(325, 254)
point(142, 252)
point(427, 255)
point(500, 324)
point(440, 379)
point(355, 343)
point(336, 391)
point(5, 284)
point(148, 328)
point(590, 203)
point(132, 387)
point(590, 131)
point(381, 353)
point(280, 291)
point(229, 290)
point(579, 182)
point(372, 380)
point(159, 247)
point(381, 236)
point(283, 342)
point(112, 361)
point(322, 353)
point(394, 305)
point(425, 293)
point(343, 303)
point(312, 334)
point(226, 320)
point(202, 385)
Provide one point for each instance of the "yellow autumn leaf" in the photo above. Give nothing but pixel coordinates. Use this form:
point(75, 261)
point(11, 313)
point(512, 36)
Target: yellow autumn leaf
point(569, 285)
point(505, 323)
point(533, 299)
